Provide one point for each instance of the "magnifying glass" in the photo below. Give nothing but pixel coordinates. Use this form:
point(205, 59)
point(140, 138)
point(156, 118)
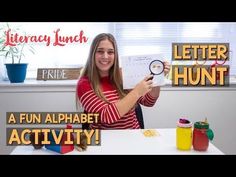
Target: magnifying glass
point(156, 67)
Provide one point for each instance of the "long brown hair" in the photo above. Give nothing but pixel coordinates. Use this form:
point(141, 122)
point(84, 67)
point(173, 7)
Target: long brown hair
point(90, 70)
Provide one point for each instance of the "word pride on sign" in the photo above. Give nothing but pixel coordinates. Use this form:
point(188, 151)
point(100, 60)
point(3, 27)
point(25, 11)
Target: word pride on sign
point(58, 73)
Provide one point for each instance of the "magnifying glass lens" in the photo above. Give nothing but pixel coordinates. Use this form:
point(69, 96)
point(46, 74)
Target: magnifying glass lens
point(156, 67)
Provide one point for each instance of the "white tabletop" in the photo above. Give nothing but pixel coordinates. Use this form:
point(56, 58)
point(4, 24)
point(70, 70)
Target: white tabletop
point(127, 142)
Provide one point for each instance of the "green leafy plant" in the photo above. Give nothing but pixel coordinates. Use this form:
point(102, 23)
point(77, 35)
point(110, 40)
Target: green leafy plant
point(15, 53)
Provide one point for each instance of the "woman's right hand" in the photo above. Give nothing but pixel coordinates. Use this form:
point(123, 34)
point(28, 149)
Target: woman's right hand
point(144, 86)
point(127, 103)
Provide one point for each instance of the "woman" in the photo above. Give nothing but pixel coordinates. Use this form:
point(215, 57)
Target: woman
point(99, 89)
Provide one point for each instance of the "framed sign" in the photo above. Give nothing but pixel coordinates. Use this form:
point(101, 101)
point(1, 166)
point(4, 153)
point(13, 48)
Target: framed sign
point(58, 73)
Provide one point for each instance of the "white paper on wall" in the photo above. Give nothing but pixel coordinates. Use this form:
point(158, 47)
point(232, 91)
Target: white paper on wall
point(136, 67)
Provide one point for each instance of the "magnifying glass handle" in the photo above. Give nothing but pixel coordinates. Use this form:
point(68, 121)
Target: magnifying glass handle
point(150, 78)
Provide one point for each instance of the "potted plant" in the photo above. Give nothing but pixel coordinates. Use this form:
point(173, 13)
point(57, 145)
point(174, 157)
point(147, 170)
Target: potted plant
point(16, 71)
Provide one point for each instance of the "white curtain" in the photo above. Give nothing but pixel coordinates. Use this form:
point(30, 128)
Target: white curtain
point(133, 38)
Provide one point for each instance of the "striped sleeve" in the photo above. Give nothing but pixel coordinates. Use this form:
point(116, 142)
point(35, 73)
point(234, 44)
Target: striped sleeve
point(147, 100)
point(93, 104)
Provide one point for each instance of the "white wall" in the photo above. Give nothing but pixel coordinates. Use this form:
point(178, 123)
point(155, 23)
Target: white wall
point(218, 105)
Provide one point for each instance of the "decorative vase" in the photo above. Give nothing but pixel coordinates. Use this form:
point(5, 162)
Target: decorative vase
point(16, 72)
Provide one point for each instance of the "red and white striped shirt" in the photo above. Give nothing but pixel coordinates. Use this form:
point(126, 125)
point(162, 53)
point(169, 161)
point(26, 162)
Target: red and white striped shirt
point(109, 115)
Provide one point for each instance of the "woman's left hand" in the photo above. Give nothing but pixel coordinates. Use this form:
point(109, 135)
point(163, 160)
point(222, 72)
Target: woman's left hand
point(166, 67)
point(156, 90)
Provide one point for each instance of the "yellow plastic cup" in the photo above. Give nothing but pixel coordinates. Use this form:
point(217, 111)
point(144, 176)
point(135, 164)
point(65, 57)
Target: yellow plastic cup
point(184, 135)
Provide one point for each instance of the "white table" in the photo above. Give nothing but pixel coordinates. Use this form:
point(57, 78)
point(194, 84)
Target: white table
point(127, 142)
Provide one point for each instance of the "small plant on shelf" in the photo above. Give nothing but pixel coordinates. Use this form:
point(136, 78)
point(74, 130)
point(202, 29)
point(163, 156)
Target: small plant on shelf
point(16, 70)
